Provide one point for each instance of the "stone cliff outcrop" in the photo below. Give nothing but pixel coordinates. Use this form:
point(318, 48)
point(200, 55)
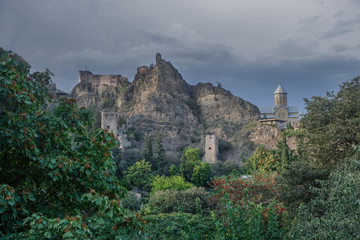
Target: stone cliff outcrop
point(163, 102)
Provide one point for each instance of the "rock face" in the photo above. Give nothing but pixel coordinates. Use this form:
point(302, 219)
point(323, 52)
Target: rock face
point(162, 102)
point(269, 136)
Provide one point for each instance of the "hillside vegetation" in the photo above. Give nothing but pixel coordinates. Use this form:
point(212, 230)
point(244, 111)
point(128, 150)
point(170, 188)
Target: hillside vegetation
point(61, 178)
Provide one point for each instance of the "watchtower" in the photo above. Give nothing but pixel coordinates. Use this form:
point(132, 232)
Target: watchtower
point(109, 122)
point(211, 149)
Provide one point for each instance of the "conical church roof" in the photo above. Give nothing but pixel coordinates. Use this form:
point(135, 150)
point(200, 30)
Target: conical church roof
point(280, 89)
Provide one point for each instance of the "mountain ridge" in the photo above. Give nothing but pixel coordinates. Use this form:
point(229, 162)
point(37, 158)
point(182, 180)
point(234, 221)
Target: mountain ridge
point(167, 104)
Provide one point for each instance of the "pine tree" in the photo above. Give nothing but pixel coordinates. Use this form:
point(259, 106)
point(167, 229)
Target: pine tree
point(148, 154)
point(285, 156)
point(160, 154)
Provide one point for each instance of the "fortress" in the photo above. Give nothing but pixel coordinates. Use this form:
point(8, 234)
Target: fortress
point(99, 83)
point(111, 80)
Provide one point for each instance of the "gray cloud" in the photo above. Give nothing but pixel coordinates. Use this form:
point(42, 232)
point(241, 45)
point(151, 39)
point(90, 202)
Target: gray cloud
point(309, 46)
point(342, 27)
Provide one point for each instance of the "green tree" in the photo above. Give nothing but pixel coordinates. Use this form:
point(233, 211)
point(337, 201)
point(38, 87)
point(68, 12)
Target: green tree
point(57, 181)
point(334, 213)
point(167, 201)
point(148, 154)
point(296, 183)
point(263, 160)
point(160, 154)
point(284, 150)
point(201, 174)
point(332, 125)
point(190, 158)
point(125, 158)
point(139, 174)
point(174, 170)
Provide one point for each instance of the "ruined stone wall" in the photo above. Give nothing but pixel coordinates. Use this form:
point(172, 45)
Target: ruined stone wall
point(123, 140)
point(211, 149)
point(100, 83)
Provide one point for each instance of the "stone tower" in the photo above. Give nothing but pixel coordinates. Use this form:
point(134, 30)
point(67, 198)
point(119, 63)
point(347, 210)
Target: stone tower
point(211, 149)
point(109, 122)
point(280, 96)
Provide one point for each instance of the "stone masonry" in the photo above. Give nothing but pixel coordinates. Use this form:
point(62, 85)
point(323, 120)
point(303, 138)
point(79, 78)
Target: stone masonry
point(211, 149)
point(109, 121)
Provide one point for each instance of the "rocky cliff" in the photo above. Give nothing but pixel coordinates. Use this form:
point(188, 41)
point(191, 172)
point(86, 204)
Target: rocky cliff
point(164, 103)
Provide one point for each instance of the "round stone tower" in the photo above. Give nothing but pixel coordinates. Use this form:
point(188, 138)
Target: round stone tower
point(280, 96)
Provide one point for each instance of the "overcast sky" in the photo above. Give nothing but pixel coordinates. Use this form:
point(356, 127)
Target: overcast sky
point(249, 46)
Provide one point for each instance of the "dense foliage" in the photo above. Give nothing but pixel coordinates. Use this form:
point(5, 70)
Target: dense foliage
point(334, 213)
point(169, 183)
point(192, 169)
point(332, 125)
point(139, 174)
point(271, 160)
point(179, 226)
point(169, 201)
point(160, 154)
point(248, 208)
point(57, 181)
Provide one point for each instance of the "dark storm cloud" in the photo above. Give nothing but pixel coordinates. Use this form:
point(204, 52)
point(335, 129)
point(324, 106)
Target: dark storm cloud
point(247, 45)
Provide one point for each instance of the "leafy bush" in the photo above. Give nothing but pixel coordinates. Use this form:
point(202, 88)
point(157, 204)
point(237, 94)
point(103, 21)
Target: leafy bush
point(171, 183)
point(225, 168)
point(201, 174)
point(248, 208)
point(334, 213)
point(261, 188)
point(139, 175)
point(131, 201)
point(169, 201)
point(178, 226)
point(263, 160)
point(296, 183)
point(249, 220)
point(189, 159)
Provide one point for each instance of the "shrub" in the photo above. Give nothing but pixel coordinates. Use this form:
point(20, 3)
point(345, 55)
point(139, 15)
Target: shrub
point(178, 226)
point(169, 201)
point(131, 201)
point(248, 208)
point(249, 220)
point(171, 183)
point(334, 212)
point(260, 188)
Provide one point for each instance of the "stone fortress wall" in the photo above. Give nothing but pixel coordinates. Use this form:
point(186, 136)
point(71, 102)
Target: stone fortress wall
point(101, 82)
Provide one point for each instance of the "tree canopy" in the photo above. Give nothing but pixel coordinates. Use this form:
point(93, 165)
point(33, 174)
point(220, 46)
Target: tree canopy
point(57, 181)
point(332, 125)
